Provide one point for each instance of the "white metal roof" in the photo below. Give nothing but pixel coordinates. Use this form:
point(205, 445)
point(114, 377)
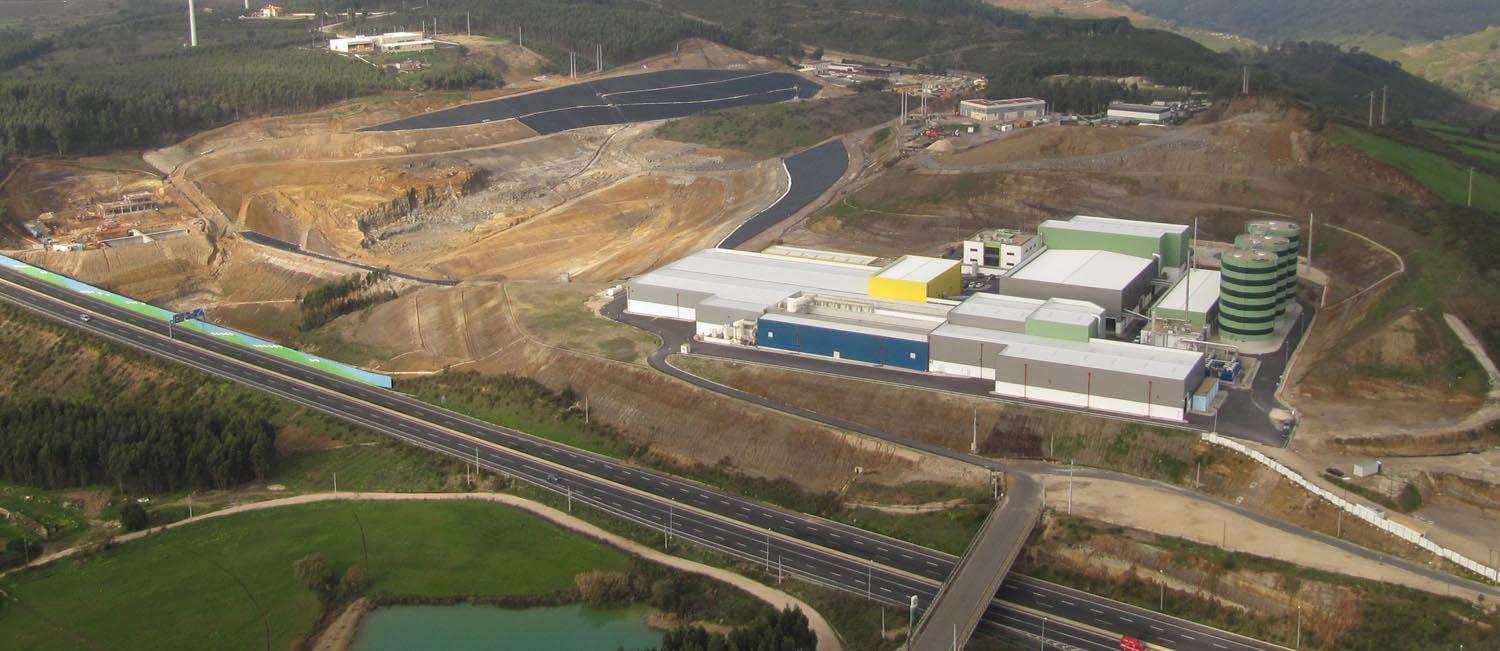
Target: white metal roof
point(756, 277)
point(819, 254)
point(1196, 293)
point(1101, 354)
point(1083, 268)
point(1015, 101)
point(1136, 226)
point(1060, 310)
point(917, 268)
point(999, 307)
point(915, 331)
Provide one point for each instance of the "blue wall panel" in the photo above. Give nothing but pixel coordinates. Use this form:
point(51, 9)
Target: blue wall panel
point(857, 346)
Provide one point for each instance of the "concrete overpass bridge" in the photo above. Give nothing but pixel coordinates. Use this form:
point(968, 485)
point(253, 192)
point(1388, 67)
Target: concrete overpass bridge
point(959, 605)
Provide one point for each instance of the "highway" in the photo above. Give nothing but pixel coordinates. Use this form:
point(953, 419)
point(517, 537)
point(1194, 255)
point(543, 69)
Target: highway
point(786, 543)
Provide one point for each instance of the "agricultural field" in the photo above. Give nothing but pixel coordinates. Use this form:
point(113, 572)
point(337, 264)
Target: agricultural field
point(1444, 177)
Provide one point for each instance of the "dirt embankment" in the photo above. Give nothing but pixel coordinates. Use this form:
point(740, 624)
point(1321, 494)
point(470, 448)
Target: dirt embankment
point(469, 327)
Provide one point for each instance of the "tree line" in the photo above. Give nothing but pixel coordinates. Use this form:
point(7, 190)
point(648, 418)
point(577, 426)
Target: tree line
point(55, 444)
point(783, 630)
point(332, 300)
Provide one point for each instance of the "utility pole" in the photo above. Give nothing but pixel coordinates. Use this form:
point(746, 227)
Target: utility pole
point(585, 410)
point(519, 42)
point(1070, 487)
point(570, 498)
point(1245, 80)
point(573, 64)
point(1371, 120)
point(1385, 91)
point(468, 27)
point(1470, 202)
point(192, 25)
point(1312, 222)
point(190, 502)
point(335, 483)
point(974, 440)
point(599, 58)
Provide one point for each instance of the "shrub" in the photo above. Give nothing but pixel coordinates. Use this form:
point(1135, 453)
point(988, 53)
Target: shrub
point(601, 588)
point(133, 517)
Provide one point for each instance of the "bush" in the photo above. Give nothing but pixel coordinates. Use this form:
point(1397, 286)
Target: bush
point(601, 588)
point(355, 582)
point(314, 573)
point(133, 517)
point(1410, 498)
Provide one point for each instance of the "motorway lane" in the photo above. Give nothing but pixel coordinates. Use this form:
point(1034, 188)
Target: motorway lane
point(846, 560)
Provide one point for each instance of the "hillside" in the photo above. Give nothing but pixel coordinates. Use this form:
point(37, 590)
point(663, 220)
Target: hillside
point(1328, 19)
point(1467, 64)
point(1343, 79)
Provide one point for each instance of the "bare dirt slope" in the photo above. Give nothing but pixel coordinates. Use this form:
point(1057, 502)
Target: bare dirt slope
point(1055, 142)
point(473, 327)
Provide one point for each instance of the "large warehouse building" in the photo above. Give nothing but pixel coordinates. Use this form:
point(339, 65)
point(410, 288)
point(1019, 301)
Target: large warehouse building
point(1113, 281)
point(1003, 110)
point(1047, 349)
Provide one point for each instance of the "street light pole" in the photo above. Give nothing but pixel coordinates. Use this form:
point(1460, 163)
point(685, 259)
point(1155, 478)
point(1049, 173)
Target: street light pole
point(1299, 627)
point(1044, 634)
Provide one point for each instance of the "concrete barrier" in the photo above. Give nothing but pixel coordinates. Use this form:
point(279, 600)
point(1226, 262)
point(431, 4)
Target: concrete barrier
point(1361, 511)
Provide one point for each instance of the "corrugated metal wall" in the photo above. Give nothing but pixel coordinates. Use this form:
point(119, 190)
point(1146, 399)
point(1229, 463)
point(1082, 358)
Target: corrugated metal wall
point(828, 342)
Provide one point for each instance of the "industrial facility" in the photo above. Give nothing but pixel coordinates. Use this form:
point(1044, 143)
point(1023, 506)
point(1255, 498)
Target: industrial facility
point(1093, 312)
point(1147, 113)
point(1003, 110)
point(383, 43)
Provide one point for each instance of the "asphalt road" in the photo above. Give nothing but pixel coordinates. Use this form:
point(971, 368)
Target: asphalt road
point(1246, 413)
point(267, 240)
point(618, 100)
point(820, 551)
point(809, 175)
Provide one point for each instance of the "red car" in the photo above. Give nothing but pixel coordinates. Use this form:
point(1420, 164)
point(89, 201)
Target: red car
point(1128, 643)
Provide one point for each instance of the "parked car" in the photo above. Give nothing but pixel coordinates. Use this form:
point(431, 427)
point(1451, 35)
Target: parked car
point(1334, 472)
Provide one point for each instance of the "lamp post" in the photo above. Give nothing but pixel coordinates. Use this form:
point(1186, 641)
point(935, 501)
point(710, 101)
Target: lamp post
point(1299, 627)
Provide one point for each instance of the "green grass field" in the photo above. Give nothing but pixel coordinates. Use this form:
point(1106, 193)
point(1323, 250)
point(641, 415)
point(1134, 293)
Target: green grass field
point(187, 589)
point(1444, 177)
point(1487, 150)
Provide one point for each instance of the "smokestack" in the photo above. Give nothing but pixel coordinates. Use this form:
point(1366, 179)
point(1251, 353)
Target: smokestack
point(192, 25)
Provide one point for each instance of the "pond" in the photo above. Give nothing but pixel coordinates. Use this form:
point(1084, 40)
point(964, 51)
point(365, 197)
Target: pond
point(464, 627)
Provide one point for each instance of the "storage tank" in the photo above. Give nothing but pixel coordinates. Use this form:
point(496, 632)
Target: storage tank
point(1293, 233)
point(1249, 294)
point(1286, 263)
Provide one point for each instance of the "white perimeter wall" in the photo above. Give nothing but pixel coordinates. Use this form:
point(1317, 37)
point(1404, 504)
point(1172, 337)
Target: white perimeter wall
point(644, 308)
point(1085, 401)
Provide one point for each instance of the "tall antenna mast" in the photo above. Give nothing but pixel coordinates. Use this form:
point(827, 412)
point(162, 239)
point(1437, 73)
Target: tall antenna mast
point(192, 25)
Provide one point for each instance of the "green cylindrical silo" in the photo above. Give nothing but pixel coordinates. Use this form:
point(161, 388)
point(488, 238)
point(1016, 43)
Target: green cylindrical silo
point(1293, 233)
point(1286, 263)
point(1249, 294)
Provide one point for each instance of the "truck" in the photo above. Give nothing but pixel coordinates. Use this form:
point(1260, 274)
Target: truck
point(1128, 643)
